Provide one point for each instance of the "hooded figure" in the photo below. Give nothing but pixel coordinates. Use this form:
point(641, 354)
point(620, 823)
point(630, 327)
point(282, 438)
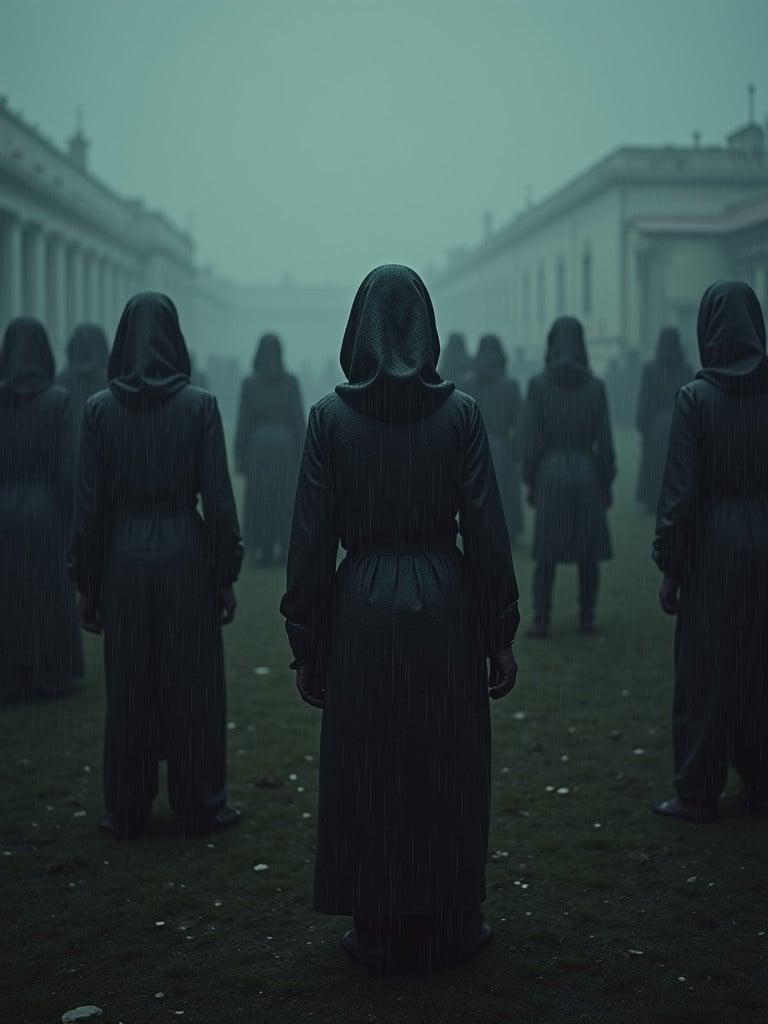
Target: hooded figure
point(86, 370)
point(40, 649)
point(270, 433)
point(499, 399)
point(456, 362)
point(568, 465)
point(394, 643)
point(662, 379)
point(712, 546)
point(154, 575)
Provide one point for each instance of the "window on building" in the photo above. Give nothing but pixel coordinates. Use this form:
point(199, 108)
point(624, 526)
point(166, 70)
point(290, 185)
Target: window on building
point(586, 282)
point(540, 294)
point(526, 298)
point(562, 291)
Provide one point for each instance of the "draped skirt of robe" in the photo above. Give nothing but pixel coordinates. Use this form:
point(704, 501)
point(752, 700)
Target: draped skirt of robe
point(40, 645)
point(164, 666)
point(270, 489)
point(652, 460)
point(571, 524)
point(508, 477)
point(406, 747)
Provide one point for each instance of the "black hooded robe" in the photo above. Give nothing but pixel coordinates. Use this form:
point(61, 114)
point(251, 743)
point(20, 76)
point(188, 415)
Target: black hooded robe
point(568, 462)
point(456, 364)
point(404, 624)
point(40, 648)
point(662, 379)
point(151, 445)
point(499, 399)
point(86, 369)
point(712, 537)
point(268, 443)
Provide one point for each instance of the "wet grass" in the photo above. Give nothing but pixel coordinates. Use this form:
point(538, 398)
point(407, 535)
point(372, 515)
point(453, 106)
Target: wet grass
point(602, 912)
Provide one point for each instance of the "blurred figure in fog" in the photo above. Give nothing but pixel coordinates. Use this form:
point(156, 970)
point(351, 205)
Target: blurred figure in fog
point(86, 369)
point(456, 362)
point(499, 399)
point(662, 379)
point(712, 546)
point(268, 443)
point(40, 648)
point(569, 466)
point(155, 576)
point(394, 645)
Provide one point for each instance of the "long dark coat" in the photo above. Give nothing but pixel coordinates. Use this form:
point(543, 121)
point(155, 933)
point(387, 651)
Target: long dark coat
point(151, 445)
point(268, 443)
point(662, 379)
point(568, 459)
point(86, 369)
point(405, 623)
point(499, 399)
point(40, 648)
point(712, 536)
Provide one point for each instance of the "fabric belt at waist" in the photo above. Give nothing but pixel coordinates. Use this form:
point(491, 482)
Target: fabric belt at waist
point(373, 550)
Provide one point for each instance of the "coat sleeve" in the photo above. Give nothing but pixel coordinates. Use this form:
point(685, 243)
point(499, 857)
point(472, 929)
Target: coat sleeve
point(298, 422)
point(65, 463)
point(306, 605)
point(243, 429)
point(91, 521)
point(219, 510)
point(674, 539)
point(603, 443)
point(532, 442)
point(487, 552)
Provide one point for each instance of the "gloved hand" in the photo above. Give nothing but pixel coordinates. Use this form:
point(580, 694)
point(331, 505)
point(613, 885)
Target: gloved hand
point(503, 674)
point(310, 682)
point(669, 595)
point(89, 613)
point(227, 606)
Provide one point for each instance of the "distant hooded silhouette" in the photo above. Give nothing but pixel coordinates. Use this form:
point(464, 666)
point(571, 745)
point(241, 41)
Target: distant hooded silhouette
point(86, 369)
point(154, 574)
point(499, 399)
point(568, 465)
point(270, 433)
point(662, 379)
point(456, 364)
point(394, 643)
point(40, 648)
point(712, 546)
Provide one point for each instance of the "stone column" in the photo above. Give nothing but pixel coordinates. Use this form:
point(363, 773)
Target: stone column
point(36, 294)
point(74, 287)
point(11, 256)
point(92, 282)
point(57, 292)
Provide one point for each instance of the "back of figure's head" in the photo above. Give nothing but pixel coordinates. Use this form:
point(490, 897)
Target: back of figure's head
point(268, 361)
point(149, 359)
point(491, 359)
point(26, 360)
point(731, 335)
point(88, 347)
point(565, 342)
point(390, 347)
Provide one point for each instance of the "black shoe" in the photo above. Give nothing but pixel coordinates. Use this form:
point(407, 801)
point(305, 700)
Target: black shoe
point(538, 629)
point(124, 827)
point(226, 817)
point(587, 622)
point(696, 812)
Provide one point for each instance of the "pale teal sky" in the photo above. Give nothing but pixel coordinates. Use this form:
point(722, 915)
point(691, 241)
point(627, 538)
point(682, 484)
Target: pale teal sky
point(325, 136)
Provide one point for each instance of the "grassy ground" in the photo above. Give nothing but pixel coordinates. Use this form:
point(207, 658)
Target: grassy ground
point(602, 912)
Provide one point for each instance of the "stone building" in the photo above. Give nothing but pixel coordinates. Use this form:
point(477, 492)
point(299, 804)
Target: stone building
point(71, 249)
point(627, 246)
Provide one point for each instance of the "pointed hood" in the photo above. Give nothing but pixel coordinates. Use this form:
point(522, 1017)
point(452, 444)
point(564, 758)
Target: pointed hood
point(455, 362)
point(87, 350)
point(491, 360)
point(268, 361)
point(149, 361)
point(731, 333)
point(26, 361)
point(566, 361)
point(391, 347)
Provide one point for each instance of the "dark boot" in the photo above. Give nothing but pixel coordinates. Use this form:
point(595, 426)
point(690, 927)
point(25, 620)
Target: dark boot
point(698, 812)
point(226, 817)
point(125, 826)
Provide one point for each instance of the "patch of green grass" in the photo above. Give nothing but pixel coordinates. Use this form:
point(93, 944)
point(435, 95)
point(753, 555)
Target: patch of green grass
point(80, 912)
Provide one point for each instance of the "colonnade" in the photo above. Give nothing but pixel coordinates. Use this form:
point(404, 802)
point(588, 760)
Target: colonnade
point(61, 277)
